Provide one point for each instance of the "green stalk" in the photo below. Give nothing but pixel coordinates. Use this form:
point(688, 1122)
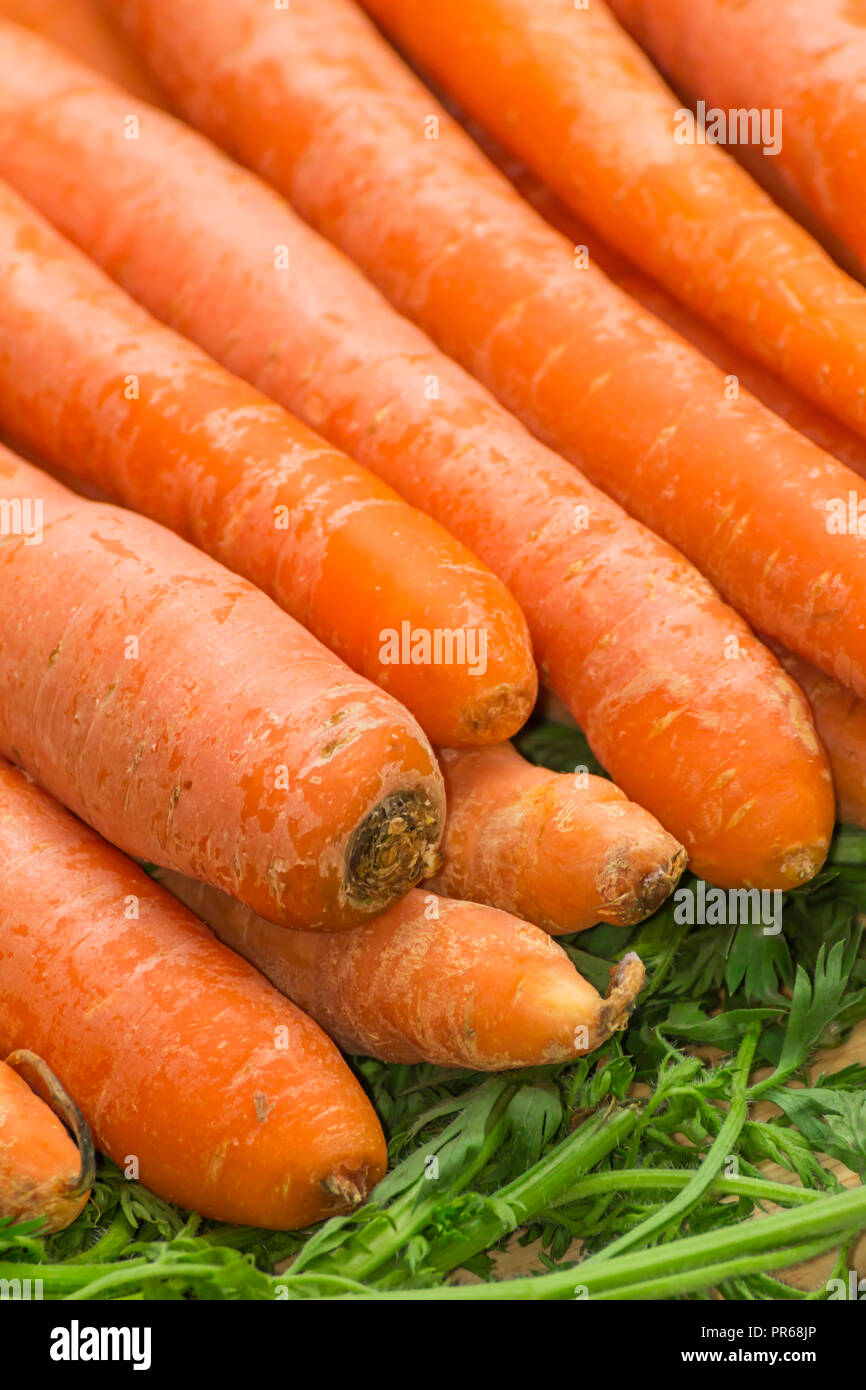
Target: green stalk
point(721, 1147)
point(831, 1218)
point(120, 1275)
point(622, 1180)
point(63, 1279)
point(113, 1241)
point(708, 1276)
point(540, 1187)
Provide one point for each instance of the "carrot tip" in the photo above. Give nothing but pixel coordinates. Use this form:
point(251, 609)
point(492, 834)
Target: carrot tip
point(802, 863)
point(499, 714)
point(392, 849)
point(626, 981)
point(657, 886)
point(639, 899)
point(349, 1189)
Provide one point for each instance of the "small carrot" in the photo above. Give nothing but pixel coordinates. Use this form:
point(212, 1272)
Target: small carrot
point(85, 29)
point(191, 1071)
point(178, 711)
point(807, 60)
point(44, 1175)
point(634, 641)
point(431, 980)
point(562, 850)
point(160, 427)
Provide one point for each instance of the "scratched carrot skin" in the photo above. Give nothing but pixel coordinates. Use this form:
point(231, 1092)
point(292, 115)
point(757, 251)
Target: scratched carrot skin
point(740, 371)
point(840, 719)
point(176, 709)
point(807, 60)
point(181, 1057)
point(431, 980)
point(634, 641)
point(126, 405)
point(587, 110)
point(608, 385)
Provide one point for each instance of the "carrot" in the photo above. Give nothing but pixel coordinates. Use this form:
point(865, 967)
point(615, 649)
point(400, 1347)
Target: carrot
point(44, 1175)
point(777, 395)
point(589, 371)
point(563, 851)
point(83, 27)
point(840, 719)
point(179, 712)
point(161, 428)
point(592, 117)
point(189, 1068)
point(630, 637)
point(431, 980)
point(807, 60)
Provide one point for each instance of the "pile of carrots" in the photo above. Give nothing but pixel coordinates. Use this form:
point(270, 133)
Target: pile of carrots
point(339, 418)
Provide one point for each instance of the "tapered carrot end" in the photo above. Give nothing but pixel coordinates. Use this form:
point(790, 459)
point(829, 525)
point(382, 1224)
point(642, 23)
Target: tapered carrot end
point(801, 864)
point(497, 714)
point(557, 1014)
point(626, 982)
point(646, 893)
point(349, 1187)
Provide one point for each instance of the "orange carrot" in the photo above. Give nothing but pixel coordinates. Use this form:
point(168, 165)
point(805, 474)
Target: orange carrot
point(592, 117)
point(824, 430)
point(633, 641)
point(83, 27)
point(176, 709)
point(431, 980)
point(806, 59)
point(840, 719)
point(454, 247)
point(184, 1061)
point(44, 1175)
point(563, 851)
point(160, 427)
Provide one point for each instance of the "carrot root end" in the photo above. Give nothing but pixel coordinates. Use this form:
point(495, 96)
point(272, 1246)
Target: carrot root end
point(393, 848)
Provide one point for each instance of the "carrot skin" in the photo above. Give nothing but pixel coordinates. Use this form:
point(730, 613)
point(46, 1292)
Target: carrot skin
point(562, 851)
point(591, 115)
point(123, 403)
point(181, 1056)
point(840, 719)
point(777, 395)
point(633, 640)
point(807, 60)
point(39, 1163)
point(178, 711)
point(629, 402)
point(85, 29)
point(431, 980)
